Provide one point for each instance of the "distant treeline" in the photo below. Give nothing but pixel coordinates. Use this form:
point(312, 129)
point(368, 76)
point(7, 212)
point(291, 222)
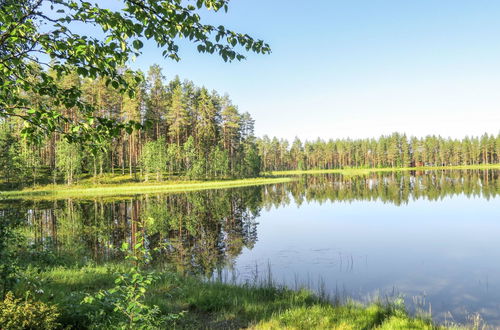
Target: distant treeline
point(395, 150)
point(194, 133)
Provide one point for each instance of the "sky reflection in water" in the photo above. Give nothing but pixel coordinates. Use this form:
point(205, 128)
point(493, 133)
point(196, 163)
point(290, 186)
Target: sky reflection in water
point(446, 251)
point(432, 235)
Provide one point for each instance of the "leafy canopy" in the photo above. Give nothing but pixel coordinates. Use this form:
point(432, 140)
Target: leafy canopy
point(39, 45)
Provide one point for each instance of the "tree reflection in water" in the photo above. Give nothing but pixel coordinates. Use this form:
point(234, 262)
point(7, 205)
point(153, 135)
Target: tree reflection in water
point(206, 230)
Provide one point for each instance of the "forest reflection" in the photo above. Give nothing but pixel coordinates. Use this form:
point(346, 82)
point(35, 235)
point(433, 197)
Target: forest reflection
point(199, 232)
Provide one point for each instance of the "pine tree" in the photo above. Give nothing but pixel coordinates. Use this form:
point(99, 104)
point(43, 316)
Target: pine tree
point(156, 101)
point(207, 130)
point(231, 125)
point(177, 116)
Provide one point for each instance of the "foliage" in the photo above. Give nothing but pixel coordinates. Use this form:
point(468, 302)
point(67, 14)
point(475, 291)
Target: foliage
point(36, 34)
point(127, 298)
point(189, 128)
point(219, 162)
point(392, 151)
point(251, 161)
point(9, 242)
point(154, 158)
point(11, 161)
point(68, 160)
point(20, 314)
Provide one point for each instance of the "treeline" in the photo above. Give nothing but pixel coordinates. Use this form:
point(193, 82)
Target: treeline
point(194, 133)
point(396, 150)
point(190, 131)
point(395, 187)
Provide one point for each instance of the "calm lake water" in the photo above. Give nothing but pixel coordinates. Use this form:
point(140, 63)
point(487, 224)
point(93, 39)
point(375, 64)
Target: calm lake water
point(432, 237)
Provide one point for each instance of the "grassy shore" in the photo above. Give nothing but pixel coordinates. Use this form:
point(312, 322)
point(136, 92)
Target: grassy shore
point(132, 188)
point(363, 171)
point(215, 305)
point(125, 185)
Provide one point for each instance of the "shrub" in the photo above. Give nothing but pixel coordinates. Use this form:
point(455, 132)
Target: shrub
point(27, 314)
point(124, 306)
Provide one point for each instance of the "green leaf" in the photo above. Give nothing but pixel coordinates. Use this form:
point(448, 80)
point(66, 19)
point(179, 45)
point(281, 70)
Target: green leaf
point(82, 71)
point(137, 44)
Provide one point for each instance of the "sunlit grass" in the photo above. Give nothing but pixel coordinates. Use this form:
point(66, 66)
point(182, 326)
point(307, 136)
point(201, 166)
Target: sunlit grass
point(130, 189)
point(363, 171)
point(127, 185)
point(217, 305)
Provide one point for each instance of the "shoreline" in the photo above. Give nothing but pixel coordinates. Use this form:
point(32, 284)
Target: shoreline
point(138, 188)
point(214, 304)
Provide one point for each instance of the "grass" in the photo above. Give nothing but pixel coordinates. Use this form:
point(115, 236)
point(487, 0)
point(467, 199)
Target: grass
point(215, 305)
point(364, 171)
point(130, 189)
point(125, 185)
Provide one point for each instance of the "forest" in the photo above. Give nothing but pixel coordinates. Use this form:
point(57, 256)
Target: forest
point(194, 133)
point(395, 150)
point(189, 131)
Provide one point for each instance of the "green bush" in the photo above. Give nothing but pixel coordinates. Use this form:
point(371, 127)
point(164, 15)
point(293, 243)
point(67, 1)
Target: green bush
point(27, 314)
point(124, 306)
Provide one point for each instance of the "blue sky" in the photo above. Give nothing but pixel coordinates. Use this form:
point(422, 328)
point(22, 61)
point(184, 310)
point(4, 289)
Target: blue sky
point(358, 68)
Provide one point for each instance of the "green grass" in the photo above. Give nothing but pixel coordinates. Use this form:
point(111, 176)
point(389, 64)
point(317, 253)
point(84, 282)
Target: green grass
point(215, 305)
point(364, 171)
point(124, 185)
point(130, 189)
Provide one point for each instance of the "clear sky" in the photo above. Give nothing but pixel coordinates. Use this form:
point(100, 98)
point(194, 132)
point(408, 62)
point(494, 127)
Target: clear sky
point(356, 68)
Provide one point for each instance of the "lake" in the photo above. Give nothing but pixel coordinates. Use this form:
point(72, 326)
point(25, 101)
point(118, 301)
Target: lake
point(430, 237)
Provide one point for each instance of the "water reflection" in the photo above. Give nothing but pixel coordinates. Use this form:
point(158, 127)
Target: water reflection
point(209, 230)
